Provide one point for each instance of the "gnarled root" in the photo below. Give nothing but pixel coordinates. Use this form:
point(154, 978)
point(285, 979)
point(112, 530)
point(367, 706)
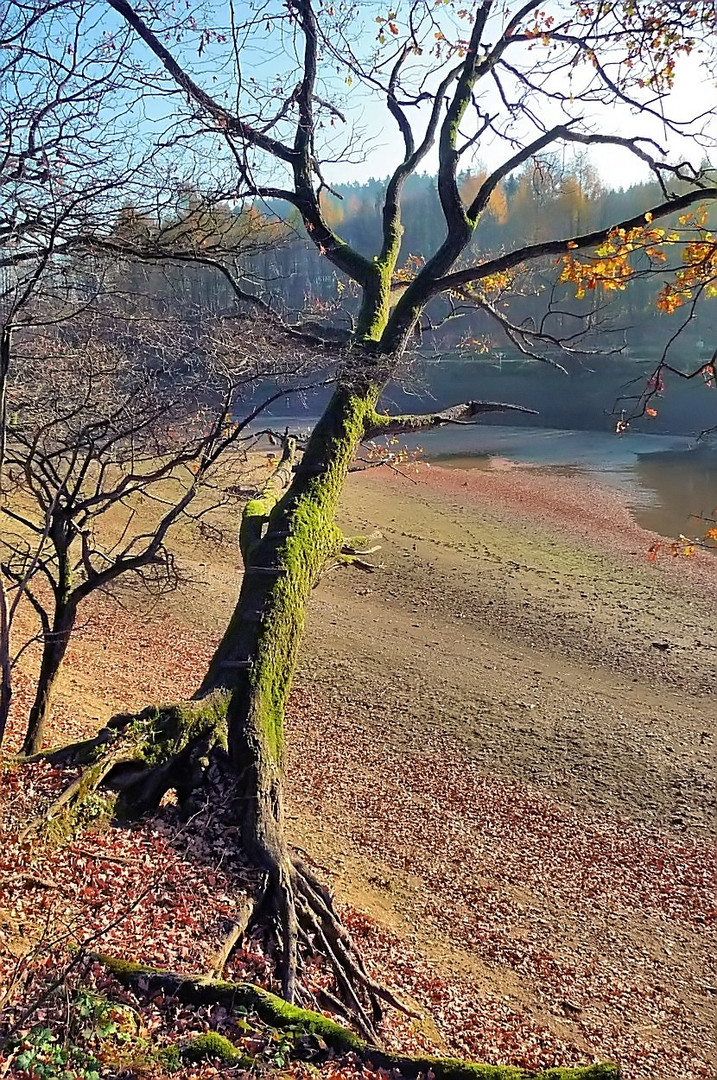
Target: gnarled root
point(139, 757)
point(136, 760)
point(307, 925)
point(321, 929)
point(279, 1014)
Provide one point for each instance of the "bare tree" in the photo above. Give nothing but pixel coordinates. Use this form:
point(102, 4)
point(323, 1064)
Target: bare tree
point(78, 370)
point(515, 81)
point(63, 156)
point(5, 664)
point(121, 412)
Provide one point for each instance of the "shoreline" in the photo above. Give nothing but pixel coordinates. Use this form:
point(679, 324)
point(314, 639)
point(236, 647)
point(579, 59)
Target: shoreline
point(579, 506)
point(511, 564)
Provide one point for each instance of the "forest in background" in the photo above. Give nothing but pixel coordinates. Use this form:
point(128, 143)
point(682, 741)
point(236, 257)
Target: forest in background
point(529, 207)
point(469, 355)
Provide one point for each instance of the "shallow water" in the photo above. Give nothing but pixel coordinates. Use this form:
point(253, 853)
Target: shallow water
point(669, 486)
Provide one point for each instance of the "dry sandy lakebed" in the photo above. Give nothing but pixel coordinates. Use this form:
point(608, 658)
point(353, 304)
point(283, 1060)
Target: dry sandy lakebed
point(518, 766)
point(502, 752)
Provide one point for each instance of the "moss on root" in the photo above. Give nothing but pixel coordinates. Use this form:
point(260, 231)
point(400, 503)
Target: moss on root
point(213, 1046)
point(86, 808)
point(161, 734)
point(270, 1008)
point(277, 1013)
point(94, 813)
point(604, 1071)
point(125, 970)
point(140, 756)
point(457, 1069)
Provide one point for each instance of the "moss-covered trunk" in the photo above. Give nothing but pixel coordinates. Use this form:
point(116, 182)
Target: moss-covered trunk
point(288, 534)
point(53, 653)
point(257, 655)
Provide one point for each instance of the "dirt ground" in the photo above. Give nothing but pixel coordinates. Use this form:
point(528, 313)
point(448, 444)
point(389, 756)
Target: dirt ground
point(555, 655)
point(537, 699)
point(502, 751)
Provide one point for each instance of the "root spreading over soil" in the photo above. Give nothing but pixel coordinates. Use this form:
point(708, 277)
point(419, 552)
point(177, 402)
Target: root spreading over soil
point(506, 782)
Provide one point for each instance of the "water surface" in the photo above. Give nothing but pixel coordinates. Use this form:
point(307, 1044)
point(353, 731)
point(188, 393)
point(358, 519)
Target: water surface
point(669, 485)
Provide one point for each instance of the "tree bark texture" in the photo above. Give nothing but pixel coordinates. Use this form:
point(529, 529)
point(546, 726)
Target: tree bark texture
point(53, 653)
point(257, 655)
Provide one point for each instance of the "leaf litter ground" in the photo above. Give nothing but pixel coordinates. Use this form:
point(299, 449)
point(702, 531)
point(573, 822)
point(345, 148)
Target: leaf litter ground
point(558, 936)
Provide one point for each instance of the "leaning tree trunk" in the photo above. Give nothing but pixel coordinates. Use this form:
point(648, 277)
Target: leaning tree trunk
point(283, 560)
point(285, 546)
point(227, 743)
point(236, 717)
point(53, 653)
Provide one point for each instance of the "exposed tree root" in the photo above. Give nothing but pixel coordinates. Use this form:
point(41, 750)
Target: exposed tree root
point(136, 760)
point(140, 757)
point(78, 792)
point(277, 1013)
point(234, 937)
point(322, 932)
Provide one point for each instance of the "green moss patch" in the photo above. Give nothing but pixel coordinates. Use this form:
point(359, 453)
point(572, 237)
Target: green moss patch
point(279, 1014)
point(161, 734)
point(215, 1047)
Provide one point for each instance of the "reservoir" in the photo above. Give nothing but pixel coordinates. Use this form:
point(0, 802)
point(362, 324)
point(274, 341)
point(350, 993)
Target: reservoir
point(668, 482)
